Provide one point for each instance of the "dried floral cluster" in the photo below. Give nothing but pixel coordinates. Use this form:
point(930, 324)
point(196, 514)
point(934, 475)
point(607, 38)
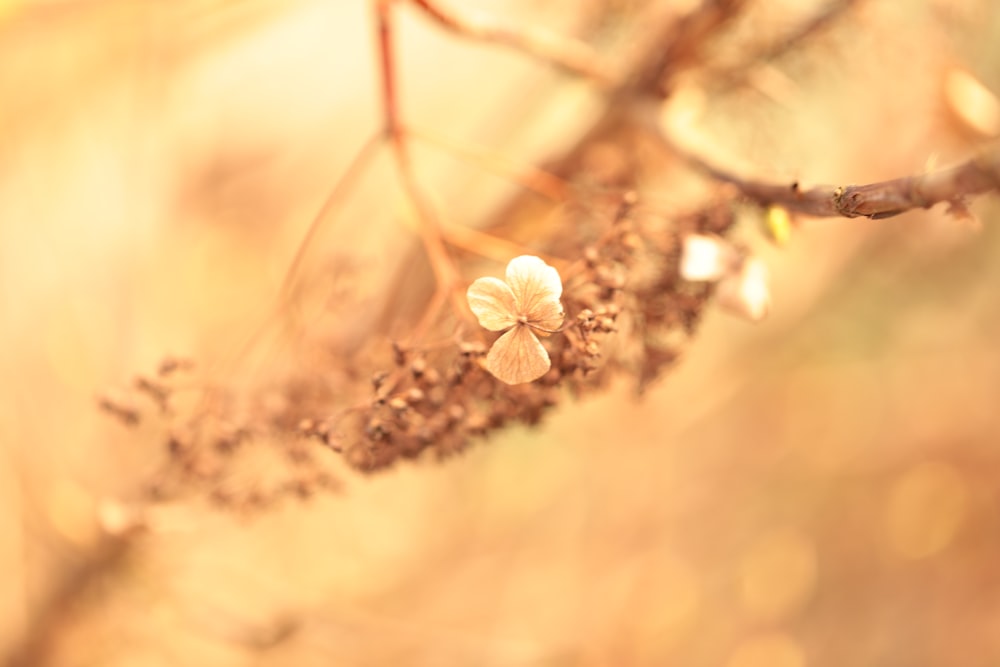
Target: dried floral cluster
point(627, 311)
point(238, 458)
point(624, 310)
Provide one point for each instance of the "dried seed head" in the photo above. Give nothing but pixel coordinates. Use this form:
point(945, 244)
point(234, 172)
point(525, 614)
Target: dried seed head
point(379, 378)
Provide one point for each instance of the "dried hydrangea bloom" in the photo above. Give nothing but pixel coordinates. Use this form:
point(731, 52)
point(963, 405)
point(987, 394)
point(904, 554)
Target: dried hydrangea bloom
point(526, 304)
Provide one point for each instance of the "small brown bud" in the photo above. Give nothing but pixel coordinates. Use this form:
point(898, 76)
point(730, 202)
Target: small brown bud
point(178, 443)
point(455, 413)
point(426, 434)
point(398, 354)
point(607, 277)
point(430, 377)
point(411, 446)
point(552, 377)
point(631, 241)
point(477, 423)
point(360, 457)
point(437, 395)
point(377, 430)
point(472, 349)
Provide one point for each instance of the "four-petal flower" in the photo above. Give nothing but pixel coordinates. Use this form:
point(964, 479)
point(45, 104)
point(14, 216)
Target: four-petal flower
point(526, 304)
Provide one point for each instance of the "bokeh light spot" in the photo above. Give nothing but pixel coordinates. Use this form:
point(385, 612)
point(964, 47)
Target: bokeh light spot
point(924, 509)
point(777, 574)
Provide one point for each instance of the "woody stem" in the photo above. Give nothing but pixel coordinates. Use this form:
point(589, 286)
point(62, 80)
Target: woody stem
point(430, 228)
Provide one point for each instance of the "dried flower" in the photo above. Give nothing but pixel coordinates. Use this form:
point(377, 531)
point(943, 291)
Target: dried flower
point(526, 304)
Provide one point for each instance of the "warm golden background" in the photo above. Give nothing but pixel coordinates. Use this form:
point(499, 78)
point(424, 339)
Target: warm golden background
point(816, 490)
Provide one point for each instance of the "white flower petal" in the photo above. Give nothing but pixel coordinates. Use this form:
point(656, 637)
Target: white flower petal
point(707, 257)
point(536, 287)
point(747, 293)
point(518, 357)
point(493, 303)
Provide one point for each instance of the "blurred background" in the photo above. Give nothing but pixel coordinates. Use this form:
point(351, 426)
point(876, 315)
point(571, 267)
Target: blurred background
point(817, 489)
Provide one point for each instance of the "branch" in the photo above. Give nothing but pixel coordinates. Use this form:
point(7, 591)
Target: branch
point(567, 54)
point(875, 200)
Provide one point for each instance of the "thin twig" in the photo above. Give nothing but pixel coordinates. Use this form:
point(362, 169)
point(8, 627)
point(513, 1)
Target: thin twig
point(492, 247)
point(533, 179)
point(340, 189)
point(678, 45)
point(567, 54)
point(530, 178)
